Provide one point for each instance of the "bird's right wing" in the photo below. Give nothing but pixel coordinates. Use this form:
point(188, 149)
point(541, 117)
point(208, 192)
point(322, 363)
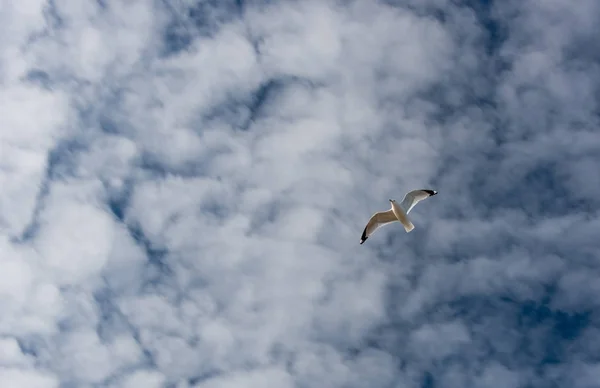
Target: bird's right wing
point(377, 220)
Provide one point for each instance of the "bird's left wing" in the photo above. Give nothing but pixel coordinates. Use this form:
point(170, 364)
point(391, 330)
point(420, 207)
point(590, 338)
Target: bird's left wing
point(414, 197)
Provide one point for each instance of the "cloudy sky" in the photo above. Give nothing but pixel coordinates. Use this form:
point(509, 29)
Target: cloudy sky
point(184, 185)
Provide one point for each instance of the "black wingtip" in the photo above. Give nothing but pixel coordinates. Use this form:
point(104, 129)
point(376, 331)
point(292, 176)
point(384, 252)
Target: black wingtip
point(431, 192)
point(364, 237)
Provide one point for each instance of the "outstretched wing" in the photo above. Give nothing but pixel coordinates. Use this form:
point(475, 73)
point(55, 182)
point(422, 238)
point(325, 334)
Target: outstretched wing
point(377, 220)
point(414, 197)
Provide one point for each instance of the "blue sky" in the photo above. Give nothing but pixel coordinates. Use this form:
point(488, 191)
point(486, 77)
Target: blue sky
point(185, 183)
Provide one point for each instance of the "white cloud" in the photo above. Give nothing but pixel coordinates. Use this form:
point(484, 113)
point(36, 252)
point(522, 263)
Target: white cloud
point(11, 355)
point(144, 378)
point(34, 122)
point(75, 238)
point(184, 185)
point(436, 342)
point(86, 359)
point(26, 378)
point(270, 377)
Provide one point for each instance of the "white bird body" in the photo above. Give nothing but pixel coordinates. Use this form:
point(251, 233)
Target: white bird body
point(402, 216)
point(397, 213)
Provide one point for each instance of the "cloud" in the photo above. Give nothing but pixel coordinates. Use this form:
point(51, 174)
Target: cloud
point(184, 186)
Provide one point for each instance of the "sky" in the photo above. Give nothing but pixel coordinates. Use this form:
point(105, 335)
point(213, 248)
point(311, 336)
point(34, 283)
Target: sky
point(184, 185)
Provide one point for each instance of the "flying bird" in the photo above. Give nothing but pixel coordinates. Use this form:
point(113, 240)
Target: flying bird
point(396, 213)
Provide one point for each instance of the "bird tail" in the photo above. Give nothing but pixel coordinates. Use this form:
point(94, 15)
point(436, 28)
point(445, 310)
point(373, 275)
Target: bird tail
point(408, 226)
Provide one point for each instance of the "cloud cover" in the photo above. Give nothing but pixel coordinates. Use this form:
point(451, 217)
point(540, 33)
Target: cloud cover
point(184, 185)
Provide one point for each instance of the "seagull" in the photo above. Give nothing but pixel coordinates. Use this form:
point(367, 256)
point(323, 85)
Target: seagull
point(397, 213)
